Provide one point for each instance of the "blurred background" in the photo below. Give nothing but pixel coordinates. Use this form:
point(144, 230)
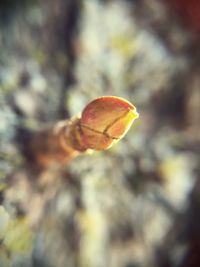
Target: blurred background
point(137, 204)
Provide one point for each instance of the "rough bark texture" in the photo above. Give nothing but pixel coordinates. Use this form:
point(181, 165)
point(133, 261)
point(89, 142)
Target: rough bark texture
point(134, 205)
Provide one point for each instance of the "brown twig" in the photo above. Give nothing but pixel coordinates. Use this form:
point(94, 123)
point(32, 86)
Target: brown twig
point(103, 122)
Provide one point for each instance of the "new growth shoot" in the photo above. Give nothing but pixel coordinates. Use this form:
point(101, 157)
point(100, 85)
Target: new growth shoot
point(103, 122)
